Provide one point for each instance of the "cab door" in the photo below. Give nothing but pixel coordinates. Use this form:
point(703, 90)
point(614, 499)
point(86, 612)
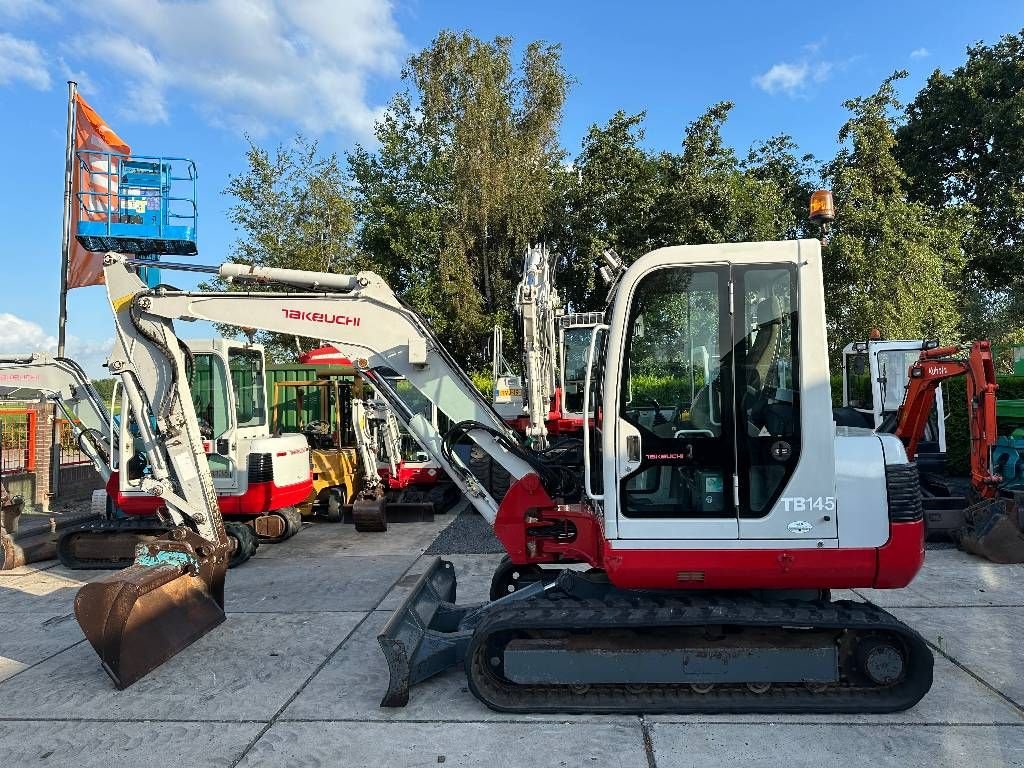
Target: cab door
point(211, 396)
point(676, 457)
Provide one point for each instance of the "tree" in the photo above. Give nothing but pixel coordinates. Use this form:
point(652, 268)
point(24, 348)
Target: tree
point(776, 161)
point(892, 263)
point(104, 388)
point(606, 200)
point(294, 210)
point(631, 200)
point(462, 180)
point(963, 142)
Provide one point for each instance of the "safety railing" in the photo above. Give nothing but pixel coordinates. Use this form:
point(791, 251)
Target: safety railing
point(147, 197)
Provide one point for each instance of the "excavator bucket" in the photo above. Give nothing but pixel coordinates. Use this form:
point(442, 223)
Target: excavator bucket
point(16, 550)
point(138, 618)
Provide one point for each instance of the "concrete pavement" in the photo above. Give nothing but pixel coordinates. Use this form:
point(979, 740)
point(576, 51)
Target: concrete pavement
point(294, 678)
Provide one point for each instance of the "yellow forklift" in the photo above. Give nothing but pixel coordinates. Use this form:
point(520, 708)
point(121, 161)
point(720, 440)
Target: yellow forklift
point(334, 457)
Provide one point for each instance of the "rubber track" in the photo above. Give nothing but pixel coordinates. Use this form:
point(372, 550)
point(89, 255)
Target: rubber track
point(98, 529)
point(564, 613)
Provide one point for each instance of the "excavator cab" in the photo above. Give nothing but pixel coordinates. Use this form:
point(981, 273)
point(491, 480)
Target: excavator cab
point(875, 378)
point(710, 407)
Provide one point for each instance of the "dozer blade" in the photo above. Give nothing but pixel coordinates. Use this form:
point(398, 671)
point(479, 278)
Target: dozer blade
point(403, 511)
point(138, 618)
point(421, 638)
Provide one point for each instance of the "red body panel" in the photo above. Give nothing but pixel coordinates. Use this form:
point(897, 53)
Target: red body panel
point(557, 424)
point(409, 476)
point(890, 566)
point(534, 529)
point(258, 499)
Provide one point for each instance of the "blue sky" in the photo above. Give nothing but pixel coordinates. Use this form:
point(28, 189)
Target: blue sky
point(187, 78)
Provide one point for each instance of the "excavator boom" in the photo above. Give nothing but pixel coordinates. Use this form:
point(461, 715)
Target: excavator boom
point(926, 374)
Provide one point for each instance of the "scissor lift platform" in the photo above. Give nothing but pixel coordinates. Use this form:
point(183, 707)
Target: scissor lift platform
point(136, 204)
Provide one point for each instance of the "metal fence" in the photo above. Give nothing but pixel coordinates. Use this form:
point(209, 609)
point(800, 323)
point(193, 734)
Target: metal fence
point(70, 451)
point(17, 443)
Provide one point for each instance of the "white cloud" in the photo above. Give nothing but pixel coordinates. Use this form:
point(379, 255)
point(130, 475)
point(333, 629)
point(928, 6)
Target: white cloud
point(22, 60)
point(19, 335)
point(247, 64)
point(28, 10)
point(919, 53)
point(793, 78)
point(788, 78)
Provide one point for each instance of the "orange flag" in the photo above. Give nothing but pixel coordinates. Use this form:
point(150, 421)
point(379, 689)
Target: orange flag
point(92, 173)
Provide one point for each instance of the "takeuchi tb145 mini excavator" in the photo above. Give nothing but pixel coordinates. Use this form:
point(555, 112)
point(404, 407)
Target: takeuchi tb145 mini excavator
point(714, 526)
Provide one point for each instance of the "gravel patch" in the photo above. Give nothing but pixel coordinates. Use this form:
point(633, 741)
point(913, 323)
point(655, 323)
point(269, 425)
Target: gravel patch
point(467, 534)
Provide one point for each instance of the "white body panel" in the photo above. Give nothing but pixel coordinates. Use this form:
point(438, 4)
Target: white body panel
point(860, 485)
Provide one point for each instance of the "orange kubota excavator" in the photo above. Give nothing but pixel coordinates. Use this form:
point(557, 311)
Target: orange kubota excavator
point(926, 374)
point(989, 529)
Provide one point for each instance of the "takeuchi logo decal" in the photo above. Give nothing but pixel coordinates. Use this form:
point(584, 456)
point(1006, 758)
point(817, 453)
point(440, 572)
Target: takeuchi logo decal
point(320, 317)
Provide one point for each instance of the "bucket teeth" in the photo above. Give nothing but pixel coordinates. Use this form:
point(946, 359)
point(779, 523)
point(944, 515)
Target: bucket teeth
point(138, 618)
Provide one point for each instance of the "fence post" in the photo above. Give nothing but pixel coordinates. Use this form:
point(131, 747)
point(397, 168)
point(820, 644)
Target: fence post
point(43, 439)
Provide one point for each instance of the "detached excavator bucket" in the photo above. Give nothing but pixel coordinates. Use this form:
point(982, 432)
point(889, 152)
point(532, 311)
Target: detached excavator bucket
point(138, 618)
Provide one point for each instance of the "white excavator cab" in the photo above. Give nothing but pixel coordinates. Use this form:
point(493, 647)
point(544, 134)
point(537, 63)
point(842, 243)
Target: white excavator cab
point(875, 377)
point(715, 409)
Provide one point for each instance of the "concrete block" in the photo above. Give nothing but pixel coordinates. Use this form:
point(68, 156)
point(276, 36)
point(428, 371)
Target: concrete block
point(985, 640)
point(325, 539)
point(313, 584)
point(837, 746)
point(33, 637)
point(124, 745)
point(50, 592)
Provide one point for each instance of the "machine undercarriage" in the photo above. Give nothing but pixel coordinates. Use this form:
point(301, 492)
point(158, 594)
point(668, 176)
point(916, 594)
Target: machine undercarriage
point(573, 643)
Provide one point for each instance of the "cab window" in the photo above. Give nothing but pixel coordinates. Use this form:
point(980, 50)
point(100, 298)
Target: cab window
point(249, 384)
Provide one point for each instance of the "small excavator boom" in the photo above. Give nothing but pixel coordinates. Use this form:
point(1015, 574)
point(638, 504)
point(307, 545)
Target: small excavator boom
point(62, 381)
point(139, 617)
point(926, 374)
